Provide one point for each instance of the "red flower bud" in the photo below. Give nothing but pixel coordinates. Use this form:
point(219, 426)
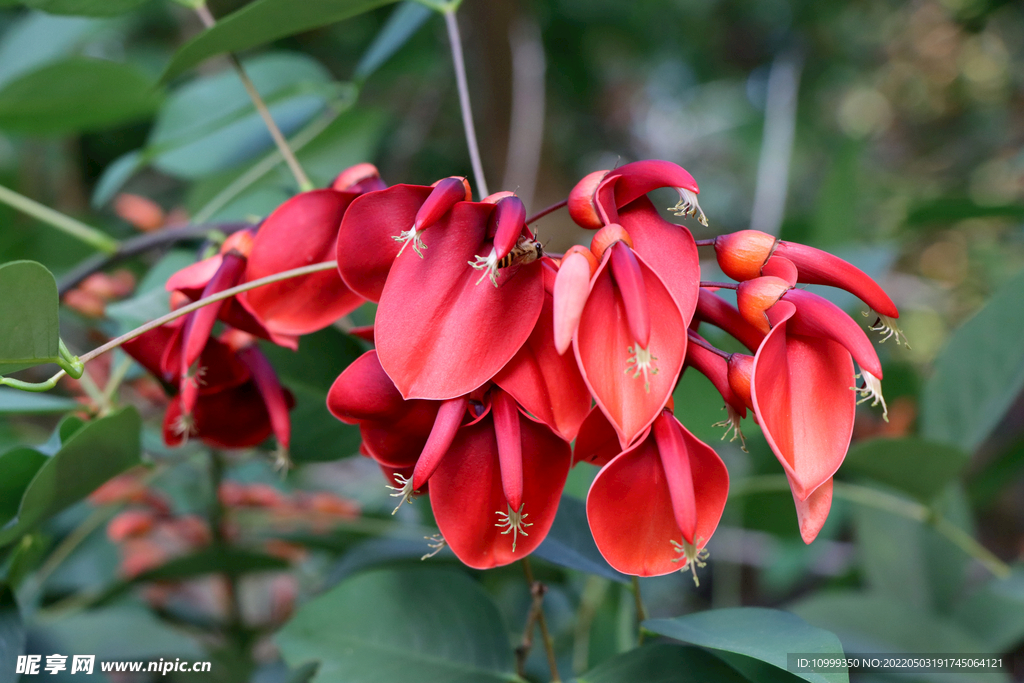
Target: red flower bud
point(742, 254)
point(582, 207)
point(755, 297)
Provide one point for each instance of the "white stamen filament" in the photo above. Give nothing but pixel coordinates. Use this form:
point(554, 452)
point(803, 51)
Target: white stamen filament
point(436, 542)
point(403, 490)
point(689, 206)
point(872, 391)
point(887, 327)
point(640, 362)
point(513, 523)
point(412, 235)
point(732, 424)
point(488, 264)
point(692, 556)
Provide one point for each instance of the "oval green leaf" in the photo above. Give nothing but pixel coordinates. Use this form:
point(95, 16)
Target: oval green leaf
point(426, 625)
point(763, 634)
point(87, 8)
point(28, 313)
point(917, 466)
point(264, 21)
point(664, 663)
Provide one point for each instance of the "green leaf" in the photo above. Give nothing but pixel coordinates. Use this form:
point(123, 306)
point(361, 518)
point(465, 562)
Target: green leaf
point(948, 210)
point(115, 176)
point(233, 561)
point(994, 614)
point(663, 663)
point(95, 453)
point(979, 373)
point(868, 622)
point(763, 634)
point(28, 309)
point(210, 124)
point(15, 401)
point(141, 635)
point(378, 551)
point(74, 95)
point(916, 466)
point(570, 544)
point(38, 39)
point(12, 635)
point(264, 21)
point(17, 468)
point(427, 625)
point(91, 8)
point(400, 27)
point(308, 373)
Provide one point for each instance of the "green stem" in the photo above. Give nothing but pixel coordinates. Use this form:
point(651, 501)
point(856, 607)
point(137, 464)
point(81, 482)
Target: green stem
point(77, 229)
point(641, 612)
point(868, 497)
point(537, 590)
point(173, 315)
point(305, 185)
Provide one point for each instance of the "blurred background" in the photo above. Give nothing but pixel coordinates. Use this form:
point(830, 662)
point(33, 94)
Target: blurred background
point(889, 133)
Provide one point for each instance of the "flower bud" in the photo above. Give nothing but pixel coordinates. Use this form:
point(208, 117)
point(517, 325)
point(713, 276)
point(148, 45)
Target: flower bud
point(754, 298)
point(742, 254)
point(741, 370)
point(607, 236)
point(360, 178)
point(572, 285)
point(582, 207)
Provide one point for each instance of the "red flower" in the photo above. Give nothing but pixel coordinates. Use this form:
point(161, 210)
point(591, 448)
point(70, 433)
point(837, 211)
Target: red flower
point(653, 508)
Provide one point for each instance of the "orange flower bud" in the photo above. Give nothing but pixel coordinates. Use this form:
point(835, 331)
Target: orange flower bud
point(754, 298)
point(606, 237)
point(142, 213)
point(582, 207)
point(742, 254)
point(741, 369)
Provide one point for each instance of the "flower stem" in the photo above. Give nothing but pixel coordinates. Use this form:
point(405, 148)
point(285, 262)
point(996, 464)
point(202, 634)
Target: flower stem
point(301, 178)
point(174, 315)
point(537, 590)
point(77, 229)
point(868, 497)
point(705, 243)
point(467, 111)
point(544, 212)
point(719, 285)
point(641, 612)
point(696, 339)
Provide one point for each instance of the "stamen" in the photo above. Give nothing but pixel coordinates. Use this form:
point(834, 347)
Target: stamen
point(641, 361)
point(692, 556)
point(184, 427)
point(732, 424)
point(689, 206)
point(872, 389)
point(403, 490)
point(436, 542)
point(513, 522)
point(282, 461)
point(195, 375)
point(412, 235)
point(488, 264)
point(887, 327)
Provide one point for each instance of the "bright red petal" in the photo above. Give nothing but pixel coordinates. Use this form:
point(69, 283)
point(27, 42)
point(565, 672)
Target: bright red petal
point(440, 331)
point(812, 512)
point(605, 349)
point(466, 494)
point(801, 390)
point(300, 232)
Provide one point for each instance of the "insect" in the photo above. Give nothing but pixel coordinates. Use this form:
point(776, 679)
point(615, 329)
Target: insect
point(526, 250)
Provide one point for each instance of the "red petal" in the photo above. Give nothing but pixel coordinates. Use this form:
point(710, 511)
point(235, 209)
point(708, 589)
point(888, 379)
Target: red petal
point(199, 323)
point(801, 390)
point(273, 394)
point(668, 249)
point(812, 512)
point(714, 310)
point(548, 385)
point(366, 249)
point(466, 492)
point(509, 219)
point(818, 317)
point(572, 285)
point(192, 279)
point(300, 232)
point(630, 283)
point(439, 333)
point(630, 510)
point(597, 442)
point(601, 347)
point(716, 369)
point(510, 446)
point(235, 418)
point(446, 425)
point(819, 267)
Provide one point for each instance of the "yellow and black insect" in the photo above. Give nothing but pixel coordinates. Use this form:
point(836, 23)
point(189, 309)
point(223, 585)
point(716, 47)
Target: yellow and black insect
point(526, 250)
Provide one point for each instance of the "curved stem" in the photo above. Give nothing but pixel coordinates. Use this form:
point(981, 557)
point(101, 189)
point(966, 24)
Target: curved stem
point(544, 212)
point(537, 590)
point(66, 224)
point(641, 611)
point(719, 285)
point(703, 343)
point(467, 112)
point(868, 497)
point(139, 245)
point(282, 145)
point(173, 315)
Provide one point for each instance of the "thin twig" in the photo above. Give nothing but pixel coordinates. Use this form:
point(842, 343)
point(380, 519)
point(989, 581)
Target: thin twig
point(467, 111)
point(544, 212)
point(526, 130)
point(66, 224)
point(282, 145)
point(704, 344)
point(719, 285)
point(641, 612)
point(140, 245)
point(537, 590)
point(705, 243)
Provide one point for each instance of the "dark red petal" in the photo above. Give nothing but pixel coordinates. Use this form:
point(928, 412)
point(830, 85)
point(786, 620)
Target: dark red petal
point(363, 391)
point(273, 394)
point(605, 346)
point(399, 442)
point(510, 219)
point(597, 442)
point(668, 249)
point(199, 323)
point(192, 279)
point(445, 194)
point(548, 385)
point(801, 390)
point(300, 232)
point(235, 418)
point(446, 425)
point(440, 331)
point(466, 494)
point(510, 446)
point(148, 349)
point(716, 369)
point(366, 248)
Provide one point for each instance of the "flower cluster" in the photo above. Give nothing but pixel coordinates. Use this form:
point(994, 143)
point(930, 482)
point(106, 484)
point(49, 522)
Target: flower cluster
point(471, 393)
